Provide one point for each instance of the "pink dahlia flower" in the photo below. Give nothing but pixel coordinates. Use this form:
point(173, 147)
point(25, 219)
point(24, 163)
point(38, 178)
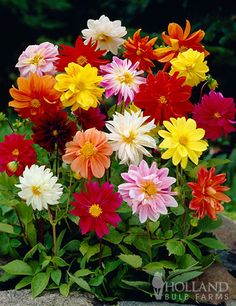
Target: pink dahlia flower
point(215, 114)
point(148, 190)
point(38, 59)
point(121, 78)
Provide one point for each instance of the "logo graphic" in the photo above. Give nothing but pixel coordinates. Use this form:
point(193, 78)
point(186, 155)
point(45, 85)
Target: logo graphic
point(158, 286)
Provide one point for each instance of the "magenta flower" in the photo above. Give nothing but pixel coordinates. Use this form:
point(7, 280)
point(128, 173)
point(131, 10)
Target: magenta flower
point(148, 190)
point(215, 114)
point(38, 59)
point(121, 78)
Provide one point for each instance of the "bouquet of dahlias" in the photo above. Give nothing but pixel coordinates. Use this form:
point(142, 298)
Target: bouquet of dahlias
point(105, 178)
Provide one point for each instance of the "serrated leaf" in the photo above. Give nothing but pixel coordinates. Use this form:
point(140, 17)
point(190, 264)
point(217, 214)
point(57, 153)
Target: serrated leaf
point(39, 283)
point(17, 267)
point(175, 247)
point(134, 261)
point(64, 289)
point(194, 248)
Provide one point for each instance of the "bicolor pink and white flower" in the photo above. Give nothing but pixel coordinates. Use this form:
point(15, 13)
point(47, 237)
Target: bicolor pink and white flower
point(108, 34)
point(148, 191)
point(122, 79)
point(129, 135)
point(38, 59)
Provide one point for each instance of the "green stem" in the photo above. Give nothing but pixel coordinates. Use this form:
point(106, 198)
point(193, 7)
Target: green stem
point(177, 176)
point(100, 253)
point(10, 125)
point(53, 232)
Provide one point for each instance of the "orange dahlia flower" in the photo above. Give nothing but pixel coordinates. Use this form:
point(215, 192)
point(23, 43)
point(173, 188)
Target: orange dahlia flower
point(35, 95)
point(140, 50)
point(88, 153)
point(208, 193)
point(179, 41)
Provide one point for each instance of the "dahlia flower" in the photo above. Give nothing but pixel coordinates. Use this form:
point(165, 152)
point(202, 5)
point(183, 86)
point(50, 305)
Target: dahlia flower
point(16, 153)
point(140, 50)
point(148, 191)
point(35, 96)
point(81, 54)
point(54, 129)
point(129, 135)
point(79, 86)
point(183, 141)
point(97, 208)
point(164, 96)
point(93, 117)
point(38, 59)
point(107, 34)
point(191, 65)
point(215, 114)
point(121, 78)
point(179, 41)
point(88, 153)
point(39, 188)
point(208, 193)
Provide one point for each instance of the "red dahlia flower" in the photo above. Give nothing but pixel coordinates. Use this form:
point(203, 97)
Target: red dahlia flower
point(164, 96)
point(80, 54)
point(93, 117)
point(215, 114)
point(96, 208)
point(54, 129)
point(208, 193)
point(140, 50)
point(16, 153)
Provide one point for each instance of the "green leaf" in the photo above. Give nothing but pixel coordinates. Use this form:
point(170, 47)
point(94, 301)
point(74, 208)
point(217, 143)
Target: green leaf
point(72, 246)
point(178, 211)
point(114, 236)
point(153, 226)
point(25, 213)
point(111, 266)
point(56, 276)
point(17, 267)
point(59, 261)
point(152, 267)
point(83, 272)
point(7, 228)
point(96, 281)
point(212, 243)
point(186, 276)
point(175, 247)
point(140, 285)
point(31, 252)
point(217, 162)
point(186, 261)
point(25, 281)
point(208, 225)
point(59, 239)
point(31, 234)
point(39, 283)
point(134, 261)
point(80, 282)
point(194, 248)
point(64, 289)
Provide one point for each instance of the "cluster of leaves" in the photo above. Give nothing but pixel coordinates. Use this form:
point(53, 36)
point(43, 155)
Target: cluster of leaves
point(178, 247)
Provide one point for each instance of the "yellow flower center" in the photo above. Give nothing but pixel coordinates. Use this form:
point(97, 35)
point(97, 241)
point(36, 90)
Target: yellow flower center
point(190, 67)
point(149, 188)
point(35, 103)
point(15, 152)
point(183, 140)
point(139, 52)
point(88, 150)
point(55, 133)
point(103, 37)
point(126, 78)
point(82, 60)
point(217, 115)
point(163, 100)
point(95, 210)
point(36, 59)
point(36, 190)
point(12, 166)
point(81, 86)
point(130, 138)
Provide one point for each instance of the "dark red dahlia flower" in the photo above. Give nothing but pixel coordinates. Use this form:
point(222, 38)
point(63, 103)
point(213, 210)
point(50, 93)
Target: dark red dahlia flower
point(93, 117)
point(54, 129)
point(16, 153)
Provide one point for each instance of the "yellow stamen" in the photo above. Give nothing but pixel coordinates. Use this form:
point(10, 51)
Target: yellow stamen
point(55, 133)
point(88, 150)
point(130, 138)
point(82, 60)
point(149, 188)
point(15, 152)
point(35, 103)
point(183, 140)
point(217, 115)
point(163, 100)
point(103, 37)
point(126, 78)
point(36, 59)
point(36, 190)
point(95, 210)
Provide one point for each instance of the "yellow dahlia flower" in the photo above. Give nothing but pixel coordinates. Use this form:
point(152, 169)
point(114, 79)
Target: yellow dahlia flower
point(79, 86)
point(183, 141)
point(191, 65)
